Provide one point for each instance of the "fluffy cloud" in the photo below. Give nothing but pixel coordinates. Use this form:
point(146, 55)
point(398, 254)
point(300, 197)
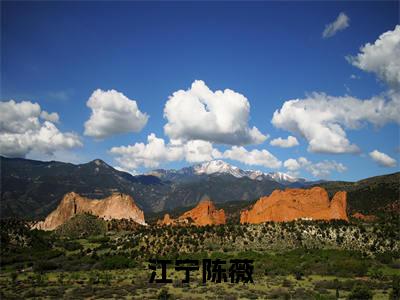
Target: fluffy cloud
point(156, 152)
point(19, 117)
point(200, 114)
point(292, 164)
point(149, 155)
point(21, 130)
point(253, 157)
point(381, 57)
point(341, 23)
point(51, 117)
point(291, 141)
point(198, 151)
point(321, 118)
point(113, 113)
point(382, 159)
point(324, 168)
point(320, 169)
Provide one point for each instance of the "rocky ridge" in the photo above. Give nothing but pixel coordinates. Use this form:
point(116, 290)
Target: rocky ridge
point(205, 213)
point(294, 204)
point(116, 206)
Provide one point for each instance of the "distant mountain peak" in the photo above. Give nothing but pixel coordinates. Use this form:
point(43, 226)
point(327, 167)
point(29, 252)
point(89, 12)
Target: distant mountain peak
point(99, 163)
point(283, 177)
point(218, 166)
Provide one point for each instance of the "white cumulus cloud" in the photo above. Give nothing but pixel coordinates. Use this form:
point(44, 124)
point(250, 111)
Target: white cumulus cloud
point(381, 57)
point(291, 141)
point(383, 159)
point(149, 155)
point(322, 119)
point(321, 169)
point(292, 164)
point(198, 151)
point(113, 113)
point(341, 23)
point(19, 117)
point(253, 158)
point(324, 168)
point(51, 117)
point(22, 132)
point(157, 152)
point(220, 117)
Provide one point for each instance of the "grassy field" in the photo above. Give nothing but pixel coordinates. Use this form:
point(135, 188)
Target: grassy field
point(132, 283)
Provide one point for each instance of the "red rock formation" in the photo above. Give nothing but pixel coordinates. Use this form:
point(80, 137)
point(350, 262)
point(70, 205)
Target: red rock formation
point(167, 220)
point(205, 213)
point(292, 204)
point(366, 218)
point(116, 206)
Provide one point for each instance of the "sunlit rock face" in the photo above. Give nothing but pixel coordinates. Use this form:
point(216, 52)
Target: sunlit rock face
point(205, 213)
point(116, 206)
point(294, 204)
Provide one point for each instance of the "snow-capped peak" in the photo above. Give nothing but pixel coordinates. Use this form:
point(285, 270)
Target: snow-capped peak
point(281, 177)
point(222, 167)
point(218, 166)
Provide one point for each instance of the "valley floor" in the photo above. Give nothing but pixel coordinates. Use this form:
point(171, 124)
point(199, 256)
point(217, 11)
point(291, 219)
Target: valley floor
point(298, 260)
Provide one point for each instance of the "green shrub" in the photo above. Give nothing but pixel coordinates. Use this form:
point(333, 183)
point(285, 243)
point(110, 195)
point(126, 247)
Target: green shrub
point(72, 246)
point(94, 278)
point(298, 273)
point(163, 295)
point(360, 291)
point(45, 265)
point(14, 277)
point(385, 258)
point(395, 293)
point(117, 262)
point(82, 226)
point(99, 239)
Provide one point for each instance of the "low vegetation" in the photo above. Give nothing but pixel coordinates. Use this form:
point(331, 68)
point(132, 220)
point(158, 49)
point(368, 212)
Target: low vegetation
point(296, 260)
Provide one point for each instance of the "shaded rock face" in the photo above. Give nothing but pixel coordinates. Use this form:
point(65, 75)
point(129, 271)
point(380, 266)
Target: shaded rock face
point(116, 206)
point(205, 213)
point(292, 204)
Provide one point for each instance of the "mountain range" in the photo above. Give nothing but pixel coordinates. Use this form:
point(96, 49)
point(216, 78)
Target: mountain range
point(32, 189)
point(220, 167)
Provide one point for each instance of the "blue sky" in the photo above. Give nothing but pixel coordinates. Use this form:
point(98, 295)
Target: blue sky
point(58, 54)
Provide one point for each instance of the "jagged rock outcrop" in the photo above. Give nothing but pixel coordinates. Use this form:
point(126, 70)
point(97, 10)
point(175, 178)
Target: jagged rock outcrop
point(167, 220)
point(293, 204)
point(116, 206)
point(205, 213)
